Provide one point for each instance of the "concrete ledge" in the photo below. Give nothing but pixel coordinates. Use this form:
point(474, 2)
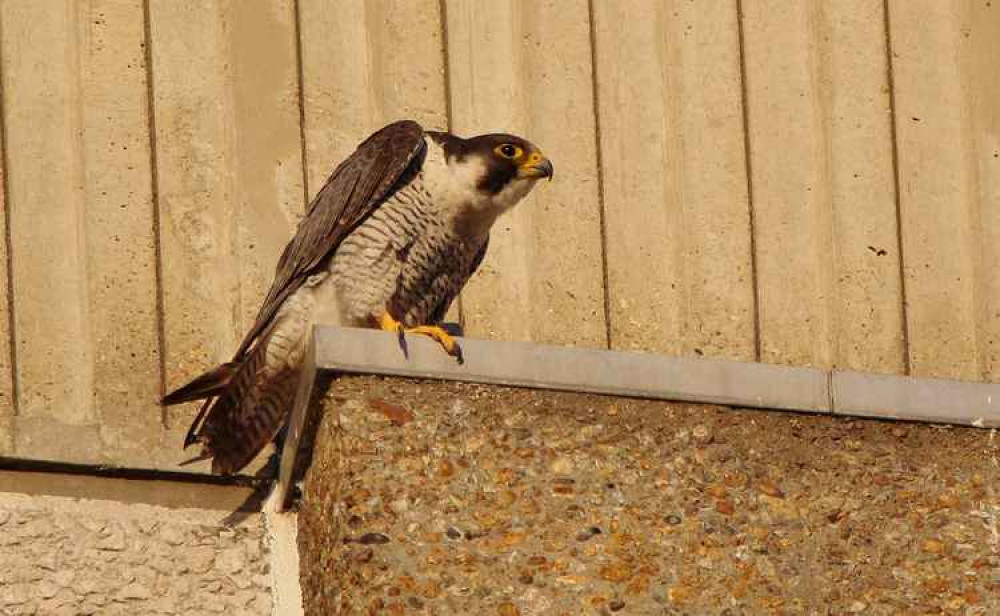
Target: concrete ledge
point(932, 400)
point(646, 375)
point(643, 375)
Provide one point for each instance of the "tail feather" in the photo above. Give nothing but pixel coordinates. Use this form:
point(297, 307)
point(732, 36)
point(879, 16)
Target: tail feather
point(198, 458)
point(192, 434)
point(205, 386)
point(246, 411)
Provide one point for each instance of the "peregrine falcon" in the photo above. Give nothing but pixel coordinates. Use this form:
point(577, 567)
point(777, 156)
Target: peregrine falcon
point(388, 242)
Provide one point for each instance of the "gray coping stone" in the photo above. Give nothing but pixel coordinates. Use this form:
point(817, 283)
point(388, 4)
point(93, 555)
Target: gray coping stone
point(635, 374)
point(576, 369)
point(920, 399)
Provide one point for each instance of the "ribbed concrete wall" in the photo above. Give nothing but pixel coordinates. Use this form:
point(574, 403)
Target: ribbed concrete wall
point(810, 183)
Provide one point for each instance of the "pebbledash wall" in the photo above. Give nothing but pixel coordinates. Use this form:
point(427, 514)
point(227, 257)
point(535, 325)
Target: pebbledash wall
point(811, 183)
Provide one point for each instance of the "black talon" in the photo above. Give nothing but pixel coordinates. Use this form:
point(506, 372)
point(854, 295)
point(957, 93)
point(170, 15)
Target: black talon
point(458, 354)
point(402, 342)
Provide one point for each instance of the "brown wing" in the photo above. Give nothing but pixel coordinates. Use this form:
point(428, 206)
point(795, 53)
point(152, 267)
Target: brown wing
point(381, 164)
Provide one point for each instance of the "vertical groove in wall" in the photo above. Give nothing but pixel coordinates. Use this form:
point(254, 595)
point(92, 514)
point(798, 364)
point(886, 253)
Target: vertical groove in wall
point(890, 82)
point(161, 332)
point(443, 16)
point(83, 245)
point(745, 104)
point(375, 19)
point(302, 107)
point(601, 201)
point(227, 25)
point(7, 239)
point(449, 118)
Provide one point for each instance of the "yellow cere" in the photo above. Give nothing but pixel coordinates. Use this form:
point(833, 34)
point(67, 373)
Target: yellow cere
point(530, 165)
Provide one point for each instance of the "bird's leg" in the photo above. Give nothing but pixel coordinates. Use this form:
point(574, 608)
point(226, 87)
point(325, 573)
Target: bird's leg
point(387, 323)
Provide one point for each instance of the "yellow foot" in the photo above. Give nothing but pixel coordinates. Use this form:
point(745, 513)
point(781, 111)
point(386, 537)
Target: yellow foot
point(446, 340)
point(388, 324)
point(442, 337)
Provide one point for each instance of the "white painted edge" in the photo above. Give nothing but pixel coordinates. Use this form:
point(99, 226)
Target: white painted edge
point(295, 426)
point(283, 543)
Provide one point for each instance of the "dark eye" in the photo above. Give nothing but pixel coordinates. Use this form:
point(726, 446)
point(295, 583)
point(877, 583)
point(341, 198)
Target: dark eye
point(508, 150)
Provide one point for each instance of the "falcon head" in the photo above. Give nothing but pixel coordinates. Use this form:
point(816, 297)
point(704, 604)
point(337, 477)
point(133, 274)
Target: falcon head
point(494, 171)
point(507, 161)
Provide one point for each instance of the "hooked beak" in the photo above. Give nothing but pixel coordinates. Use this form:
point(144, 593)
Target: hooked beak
point(537, 167)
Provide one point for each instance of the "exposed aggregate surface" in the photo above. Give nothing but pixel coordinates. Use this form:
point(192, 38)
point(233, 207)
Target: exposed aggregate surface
point(446, 498)
point(68, 557)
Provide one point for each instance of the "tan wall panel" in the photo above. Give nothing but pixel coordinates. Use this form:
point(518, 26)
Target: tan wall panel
point(229, 169)
point(119, 229)
point(867, 299)
point(787, 135)
point(366, 64)
point(46, 177)
point(983, 83)
point(938, 192)
point(824, 210)
point(194, 154)
point(267, 140)
point(525, 67)
point(96, 344)
point(675, 187)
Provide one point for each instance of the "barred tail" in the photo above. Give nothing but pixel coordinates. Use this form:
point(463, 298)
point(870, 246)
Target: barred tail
point(247, 402)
